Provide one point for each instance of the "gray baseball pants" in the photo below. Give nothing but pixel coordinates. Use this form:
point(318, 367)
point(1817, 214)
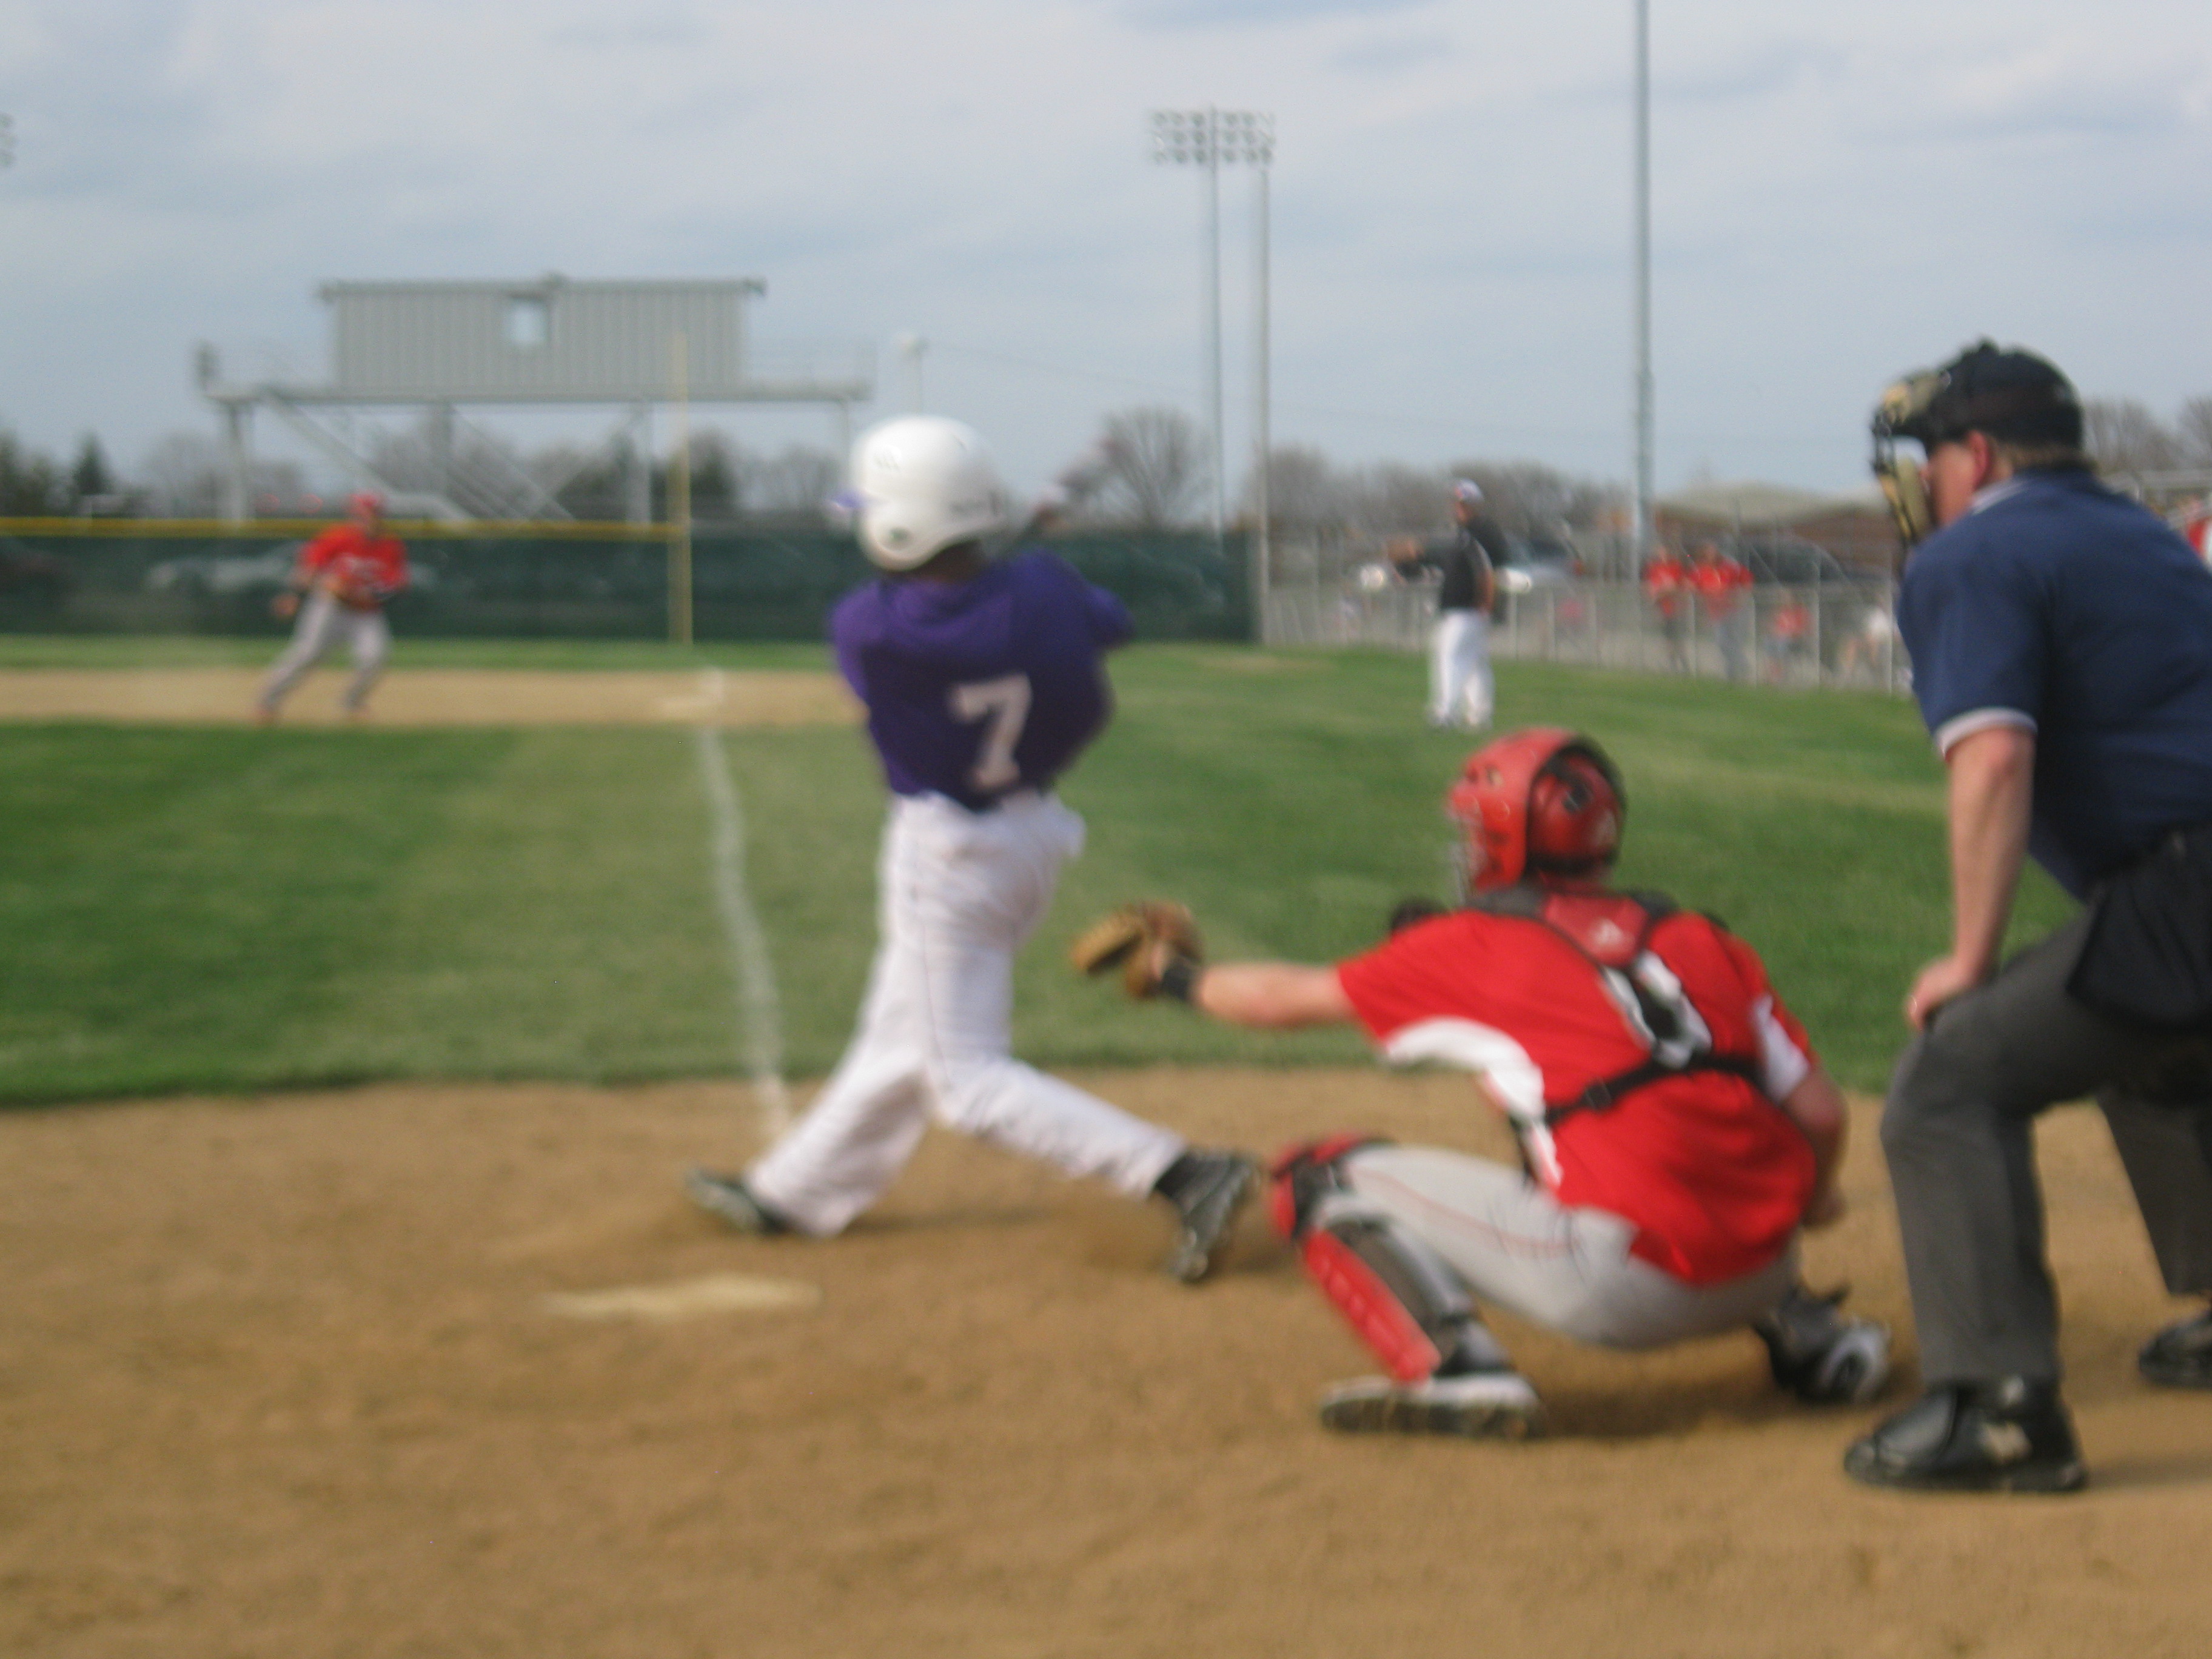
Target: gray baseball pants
point(1567, 1269)
point(1957, 1131)
point(322, 624)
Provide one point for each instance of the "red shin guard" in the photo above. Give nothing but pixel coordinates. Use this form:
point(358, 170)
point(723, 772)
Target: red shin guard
point(1374, 1310)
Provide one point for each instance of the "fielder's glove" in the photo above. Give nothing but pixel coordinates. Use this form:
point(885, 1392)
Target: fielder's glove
point(1127, 937)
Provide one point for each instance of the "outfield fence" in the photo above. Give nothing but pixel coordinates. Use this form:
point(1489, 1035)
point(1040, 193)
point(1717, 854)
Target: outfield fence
point(585, 581)
point(1837, 634)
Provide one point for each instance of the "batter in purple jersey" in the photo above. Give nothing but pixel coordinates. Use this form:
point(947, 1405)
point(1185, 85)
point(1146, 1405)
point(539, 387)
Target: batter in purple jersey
point(984, 680)
point(980, 687)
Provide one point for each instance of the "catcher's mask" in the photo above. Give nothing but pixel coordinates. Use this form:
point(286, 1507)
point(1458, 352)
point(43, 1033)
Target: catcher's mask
point(1542, 802)
point(2011, 395)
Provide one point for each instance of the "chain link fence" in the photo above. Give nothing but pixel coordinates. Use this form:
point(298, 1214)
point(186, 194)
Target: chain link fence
point(1836, 634)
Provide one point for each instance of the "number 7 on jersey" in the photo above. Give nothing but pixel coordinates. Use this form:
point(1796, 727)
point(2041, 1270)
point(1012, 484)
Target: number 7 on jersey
point(1005, 703)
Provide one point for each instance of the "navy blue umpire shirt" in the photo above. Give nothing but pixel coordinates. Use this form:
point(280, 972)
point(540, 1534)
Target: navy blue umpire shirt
point(2057, 606)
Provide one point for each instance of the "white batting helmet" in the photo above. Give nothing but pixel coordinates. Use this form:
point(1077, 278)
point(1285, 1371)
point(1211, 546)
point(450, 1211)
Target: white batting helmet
point(922, 483)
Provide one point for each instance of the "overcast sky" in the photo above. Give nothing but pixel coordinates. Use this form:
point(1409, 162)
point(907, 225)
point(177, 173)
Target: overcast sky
point(1841, 193)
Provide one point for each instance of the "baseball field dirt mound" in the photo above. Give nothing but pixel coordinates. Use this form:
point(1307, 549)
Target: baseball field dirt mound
point(456, 1370)
point(437, 696)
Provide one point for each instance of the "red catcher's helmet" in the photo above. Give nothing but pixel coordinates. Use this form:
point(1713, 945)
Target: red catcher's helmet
point(1542, 802)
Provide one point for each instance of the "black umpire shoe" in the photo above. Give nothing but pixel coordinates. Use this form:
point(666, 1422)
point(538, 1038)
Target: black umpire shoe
point(729, 1198)
point(2180, 1356)
point(1208, 1190)
point(2012, 1435)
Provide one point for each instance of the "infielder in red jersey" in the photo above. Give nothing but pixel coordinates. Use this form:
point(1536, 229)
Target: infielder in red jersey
point(1676, 1127)
point(347, 575)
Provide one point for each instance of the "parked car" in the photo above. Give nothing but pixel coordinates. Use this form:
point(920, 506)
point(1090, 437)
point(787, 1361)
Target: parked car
point(217, 573)
point(1534, 561)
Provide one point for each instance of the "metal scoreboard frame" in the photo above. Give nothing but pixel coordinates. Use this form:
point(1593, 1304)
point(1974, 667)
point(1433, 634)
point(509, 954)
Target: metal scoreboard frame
point(438, 345)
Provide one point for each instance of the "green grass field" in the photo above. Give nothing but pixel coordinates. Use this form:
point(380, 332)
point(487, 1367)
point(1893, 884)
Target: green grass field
point(228, 909)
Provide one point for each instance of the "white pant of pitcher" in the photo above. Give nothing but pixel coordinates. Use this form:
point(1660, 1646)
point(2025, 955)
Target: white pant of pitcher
point(959, 892)
point(1461, 690)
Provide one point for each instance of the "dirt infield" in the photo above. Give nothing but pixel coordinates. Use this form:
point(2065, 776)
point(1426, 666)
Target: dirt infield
point(425, 696)
point(288, 1377)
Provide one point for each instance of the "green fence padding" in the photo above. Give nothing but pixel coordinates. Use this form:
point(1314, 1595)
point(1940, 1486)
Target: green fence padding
point(551, 582)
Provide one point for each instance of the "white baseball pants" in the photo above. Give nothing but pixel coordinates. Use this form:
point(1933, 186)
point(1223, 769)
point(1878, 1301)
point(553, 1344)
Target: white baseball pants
point(1567, 1269)
point(324, 623)
point(958, 892)
point(1461, 689)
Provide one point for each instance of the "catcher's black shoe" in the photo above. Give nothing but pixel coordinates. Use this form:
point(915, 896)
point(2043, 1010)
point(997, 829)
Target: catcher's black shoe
point(1208, 1190)
point(729, 1197)
point(1820, 1354)
point(2180, 1356)
point(2007, 1436)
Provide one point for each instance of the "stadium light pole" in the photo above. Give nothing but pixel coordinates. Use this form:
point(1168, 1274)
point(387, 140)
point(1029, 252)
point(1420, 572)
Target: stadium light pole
point(912, 348)
point(1641, 546)
point(1213, 138)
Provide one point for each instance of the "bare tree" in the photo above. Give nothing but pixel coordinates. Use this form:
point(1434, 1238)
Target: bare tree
point(2122, 435)
point(791, 485)
point(1527, 498)
point(1156, 468)
point(1399, 501)
point(1304, 494)
point(2195, 432)
point(185, 474)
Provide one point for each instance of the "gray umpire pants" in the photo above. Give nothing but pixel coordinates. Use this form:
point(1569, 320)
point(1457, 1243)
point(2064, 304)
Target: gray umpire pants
point(1958, 1134)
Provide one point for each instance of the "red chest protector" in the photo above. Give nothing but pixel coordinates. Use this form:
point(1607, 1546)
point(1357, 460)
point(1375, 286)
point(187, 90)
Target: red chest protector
point(1610, 931)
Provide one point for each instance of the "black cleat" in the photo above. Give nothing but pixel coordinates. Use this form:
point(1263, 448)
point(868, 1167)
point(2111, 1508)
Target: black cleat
point(2180, 1356)
point(728, 1197)
point(1821, 1355)
point(1208, 1190)
point(2007, 1436)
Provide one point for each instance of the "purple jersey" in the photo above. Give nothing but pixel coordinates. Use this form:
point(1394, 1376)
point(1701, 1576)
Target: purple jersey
point(979, 688)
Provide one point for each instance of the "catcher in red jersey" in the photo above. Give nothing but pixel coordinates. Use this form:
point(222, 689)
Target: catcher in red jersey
point(1676, 1129)
point(343, 580)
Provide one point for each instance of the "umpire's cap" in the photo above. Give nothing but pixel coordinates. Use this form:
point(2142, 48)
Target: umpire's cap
point(2008, 393)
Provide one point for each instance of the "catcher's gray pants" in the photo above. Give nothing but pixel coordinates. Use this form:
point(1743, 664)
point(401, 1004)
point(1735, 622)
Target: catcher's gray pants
point(1567, 1269)
point(1957, 1132)
point(322, 624)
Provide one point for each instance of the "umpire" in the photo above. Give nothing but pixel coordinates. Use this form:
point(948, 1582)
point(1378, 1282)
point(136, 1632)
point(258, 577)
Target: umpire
point(2060, 639)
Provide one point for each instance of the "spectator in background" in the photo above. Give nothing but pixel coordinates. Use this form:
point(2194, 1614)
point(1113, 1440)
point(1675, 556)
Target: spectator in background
point(2196, 528)
point(1870, 647)
point(1665, 583)
point(1719, 582)
point(1787, 635)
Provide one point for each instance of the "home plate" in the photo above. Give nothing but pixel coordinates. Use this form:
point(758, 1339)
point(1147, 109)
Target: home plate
point(687, 1299)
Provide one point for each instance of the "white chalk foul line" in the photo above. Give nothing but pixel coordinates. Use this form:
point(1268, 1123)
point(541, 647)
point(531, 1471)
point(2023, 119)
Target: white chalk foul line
point(760, 1017)
point(687, 1299)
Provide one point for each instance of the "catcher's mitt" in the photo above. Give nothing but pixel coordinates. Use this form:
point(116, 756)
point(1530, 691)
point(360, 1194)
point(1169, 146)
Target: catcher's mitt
point(1124, 936)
